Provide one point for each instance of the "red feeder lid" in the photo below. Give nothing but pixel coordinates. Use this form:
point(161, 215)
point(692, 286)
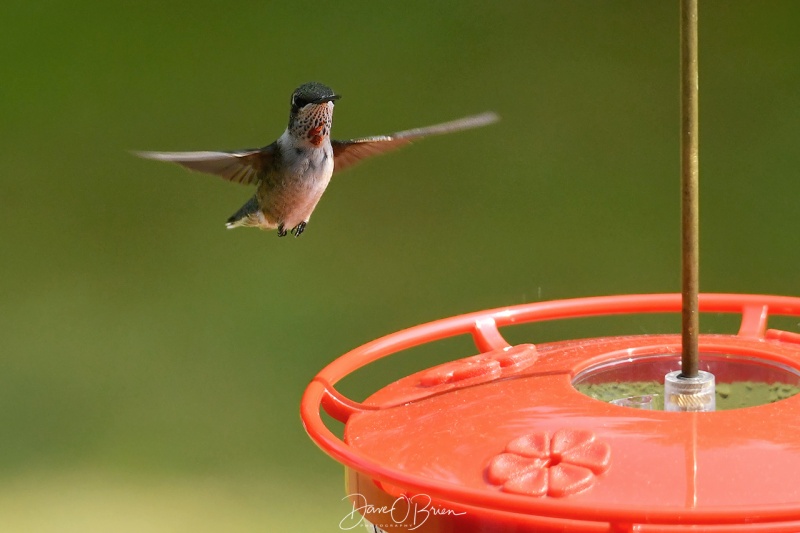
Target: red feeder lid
point(502, 440)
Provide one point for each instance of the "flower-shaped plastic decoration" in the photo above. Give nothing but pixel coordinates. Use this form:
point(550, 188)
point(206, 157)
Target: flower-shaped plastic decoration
point(537, 464)
point(486, 366)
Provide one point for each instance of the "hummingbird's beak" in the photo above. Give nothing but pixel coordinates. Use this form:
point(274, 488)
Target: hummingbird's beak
point(327, 99)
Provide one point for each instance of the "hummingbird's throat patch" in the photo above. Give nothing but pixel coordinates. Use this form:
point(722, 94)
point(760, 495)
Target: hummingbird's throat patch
point(320, 123)
point(316, 134)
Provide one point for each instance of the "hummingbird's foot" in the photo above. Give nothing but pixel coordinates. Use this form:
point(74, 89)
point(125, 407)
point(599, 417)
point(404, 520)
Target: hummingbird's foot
point(282, 231)
point(298, 229)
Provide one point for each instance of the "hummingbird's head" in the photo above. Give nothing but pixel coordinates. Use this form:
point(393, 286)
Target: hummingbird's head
point(312, 112)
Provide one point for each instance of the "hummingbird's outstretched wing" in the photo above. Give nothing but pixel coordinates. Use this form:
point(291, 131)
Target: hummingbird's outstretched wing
point(243, 166)
point(348, 153)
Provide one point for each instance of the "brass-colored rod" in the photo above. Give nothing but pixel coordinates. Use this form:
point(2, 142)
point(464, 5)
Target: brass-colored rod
point(690, 283)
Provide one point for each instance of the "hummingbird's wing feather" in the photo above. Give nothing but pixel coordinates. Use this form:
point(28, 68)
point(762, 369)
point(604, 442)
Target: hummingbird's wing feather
point(348, 153)
point(243, 166)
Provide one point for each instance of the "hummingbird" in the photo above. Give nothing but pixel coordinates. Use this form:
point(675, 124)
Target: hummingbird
point(292, 173)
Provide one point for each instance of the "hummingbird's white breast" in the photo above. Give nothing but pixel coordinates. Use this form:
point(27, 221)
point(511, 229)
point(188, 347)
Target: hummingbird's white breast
point(294, 189)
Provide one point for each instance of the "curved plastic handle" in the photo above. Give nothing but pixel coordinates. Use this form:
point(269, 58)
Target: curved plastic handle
point(484, 326)
point(483, 329)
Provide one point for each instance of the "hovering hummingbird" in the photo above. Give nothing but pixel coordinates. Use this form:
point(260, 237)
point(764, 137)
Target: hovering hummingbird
point(292, 173)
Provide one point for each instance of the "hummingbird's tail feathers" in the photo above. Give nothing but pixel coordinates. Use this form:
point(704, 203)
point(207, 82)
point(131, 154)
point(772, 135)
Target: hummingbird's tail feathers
point(242, 166)
point(348, 153)
point(249, 215)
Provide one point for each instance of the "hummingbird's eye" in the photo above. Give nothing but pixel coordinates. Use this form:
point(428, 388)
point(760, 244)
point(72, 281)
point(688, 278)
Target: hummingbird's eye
point(298, 102)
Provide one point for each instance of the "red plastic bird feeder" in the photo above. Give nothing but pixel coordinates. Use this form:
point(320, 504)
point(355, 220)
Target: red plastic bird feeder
point(511, 440)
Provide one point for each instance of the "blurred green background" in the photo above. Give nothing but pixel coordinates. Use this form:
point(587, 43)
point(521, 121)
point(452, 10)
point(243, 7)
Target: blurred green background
point(153, 362)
